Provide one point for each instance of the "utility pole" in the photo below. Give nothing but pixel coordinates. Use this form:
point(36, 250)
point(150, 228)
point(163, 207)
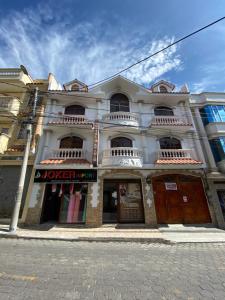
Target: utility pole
point(19, 193)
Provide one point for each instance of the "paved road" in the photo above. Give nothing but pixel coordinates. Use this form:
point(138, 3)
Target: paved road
point(35, 269)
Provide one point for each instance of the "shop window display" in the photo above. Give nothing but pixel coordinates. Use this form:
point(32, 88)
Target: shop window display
point(65, 203)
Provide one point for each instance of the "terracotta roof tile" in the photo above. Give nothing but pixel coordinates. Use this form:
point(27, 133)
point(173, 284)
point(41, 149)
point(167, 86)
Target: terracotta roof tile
point(16, 148)
point(178, 161)
point(64, 161)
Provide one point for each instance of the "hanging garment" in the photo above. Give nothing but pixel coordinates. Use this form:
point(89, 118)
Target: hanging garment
point(71, 208)
point(54, 187)
point(61, 190)
point(77, 206)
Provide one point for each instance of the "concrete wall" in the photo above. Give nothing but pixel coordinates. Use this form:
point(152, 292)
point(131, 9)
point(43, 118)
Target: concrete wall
point(9, 178)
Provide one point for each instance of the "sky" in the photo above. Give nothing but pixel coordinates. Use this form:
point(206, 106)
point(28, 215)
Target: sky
point(92, 39)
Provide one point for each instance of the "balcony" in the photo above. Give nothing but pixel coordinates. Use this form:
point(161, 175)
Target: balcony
point(66, 156)
point(176, 156)
point(70, 120)
point(15, 74)
point(122, 157)
point(9, 105)
point(170, 122)
point(121, 118)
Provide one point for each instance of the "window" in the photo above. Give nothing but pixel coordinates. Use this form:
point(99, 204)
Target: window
point(5, 130)
point(221, 195)
point(163, 111)
point(213, 113)
point(119, 102)
point(218, 148)
point(75, 110)
point(169, 143)
point(163, 89)
point(71, 142)
point(121, 142)
point(75, 87)
point(23, 131)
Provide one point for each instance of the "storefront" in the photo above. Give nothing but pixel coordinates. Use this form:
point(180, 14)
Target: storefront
point(122, 201)
point(65, 196)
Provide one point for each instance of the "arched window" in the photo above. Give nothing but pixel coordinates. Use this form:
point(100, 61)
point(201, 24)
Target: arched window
point(75, 87)
point(119, 102)
point(163, 89)
point(169, 143)
point(163, 111)
point(121, 142)
point(71, 142)
point(75, 110)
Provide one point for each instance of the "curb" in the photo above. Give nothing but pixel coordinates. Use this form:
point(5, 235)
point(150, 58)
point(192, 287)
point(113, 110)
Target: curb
point(91, 239)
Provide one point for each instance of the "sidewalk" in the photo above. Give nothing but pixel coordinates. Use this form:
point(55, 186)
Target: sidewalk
point(106, 233)
point(168, 234)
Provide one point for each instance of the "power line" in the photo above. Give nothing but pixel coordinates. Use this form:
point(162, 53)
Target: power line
point(157, 52)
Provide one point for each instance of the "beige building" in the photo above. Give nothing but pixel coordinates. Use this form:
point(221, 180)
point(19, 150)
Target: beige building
point(16, 101)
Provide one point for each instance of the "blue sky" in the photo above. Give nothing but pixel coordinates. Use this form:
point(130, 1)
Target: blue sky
point(90, 40)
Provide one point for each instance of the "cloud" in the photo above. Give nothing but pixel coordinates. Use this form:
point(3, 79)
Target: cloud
point(90, 51)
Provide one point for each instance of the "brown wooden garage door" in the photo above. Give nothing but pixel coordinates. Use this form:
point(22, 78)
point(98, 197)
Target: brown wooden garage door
point(180, 199)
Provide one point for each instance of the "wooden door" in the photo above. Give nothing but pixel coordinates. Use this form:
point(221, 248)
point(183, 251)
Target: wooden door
point(195, 207)
point(130, 202)
point(180, 199)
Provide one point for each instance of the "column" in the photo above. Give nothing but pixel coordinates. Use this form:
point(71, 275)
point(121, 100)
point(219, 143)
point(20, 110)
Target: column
point(204, 139)
point(144, 147)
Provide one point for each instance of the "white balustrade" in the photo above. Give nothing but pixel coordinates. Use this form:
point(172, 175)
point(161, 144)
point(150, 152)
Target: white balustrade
point(122, 151)
point(169, 120)
point(67, 153)
point(174, 153)
point(122, 156)
point(68, 119)
point(121, 117)
point(10, 104)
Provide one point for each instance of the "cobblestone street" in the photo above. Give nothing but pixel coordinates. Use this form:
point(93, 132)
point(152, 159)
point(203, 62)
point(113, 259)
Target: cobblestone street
point(34, 269)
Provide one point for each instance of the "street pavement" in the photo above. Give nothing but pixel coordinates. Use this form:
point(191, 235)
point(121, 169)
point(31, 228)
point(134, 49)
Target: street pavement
point(47, 269)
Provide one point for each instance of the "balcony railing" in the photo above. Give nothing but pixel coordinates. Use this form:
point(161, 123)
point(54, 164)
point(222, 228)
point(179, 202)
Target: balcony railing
point(121, 118)
point(9, 104)
point(169, 121)
point(10, 72)
point(69, 120)
point(175, 153)
point(67, 153)
point(123, 156)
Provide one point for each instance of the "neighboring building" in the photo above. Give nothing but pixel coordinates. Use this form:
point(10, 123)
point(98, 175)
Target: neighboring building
point(209, 115)
point(16, 101)
point(119, 153)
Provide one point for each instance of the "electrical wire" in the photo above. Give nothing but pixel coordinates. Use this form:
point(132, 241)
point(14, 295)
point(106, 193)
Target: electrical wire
point(159, 51)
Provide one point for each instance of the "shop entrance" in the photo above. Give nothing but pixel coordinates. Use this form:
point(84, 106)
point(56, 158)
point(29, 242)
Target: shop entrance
point(65, 203)
point(122, 202)
point(180, 199)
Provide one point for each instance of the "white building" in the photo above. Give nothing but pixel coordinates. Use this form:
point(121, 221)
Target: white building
point(119, 153)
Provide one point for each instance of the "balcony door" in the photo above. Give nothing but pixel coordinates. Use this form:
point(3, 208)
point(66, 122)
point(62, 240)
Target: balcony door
point(121, 142)
point(73, 142)
point(75, 110)
point(119, 102)
point(169, 143)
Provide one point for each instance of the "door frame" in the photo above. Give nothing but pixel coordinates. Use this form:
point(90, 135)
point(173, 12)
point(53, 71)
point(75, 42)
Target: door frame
point(125, 180)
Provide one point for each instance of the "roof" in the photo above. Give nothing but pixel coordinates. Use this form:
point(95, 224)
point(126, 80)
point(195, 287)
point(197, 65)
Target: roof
point(172, 86)
point(178, 161)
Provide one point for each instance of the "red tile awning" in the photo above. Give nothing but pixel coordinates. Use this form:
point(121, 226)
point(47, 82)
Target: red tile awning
point(64, 161)
point(178, 161)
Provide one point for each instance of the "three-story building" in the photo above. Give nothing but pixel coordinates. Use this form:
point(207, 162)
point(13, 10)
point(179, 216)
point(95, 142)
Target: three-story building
point(119, 153)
